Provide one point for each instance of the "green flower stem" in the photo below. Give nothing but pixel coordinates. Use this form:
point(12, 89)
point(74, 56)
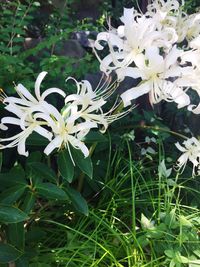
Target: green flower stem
point(156, 128)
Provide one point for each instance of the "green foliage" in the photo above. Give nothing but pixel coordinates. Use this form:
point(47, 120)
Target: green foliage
point(8, 253)
point(129, 225)
point(65, 165)
point(139, 214)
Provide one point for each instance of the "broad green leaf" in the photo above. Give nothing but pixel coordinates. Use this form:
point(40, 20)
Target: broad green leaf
point(12, 194)
point(16, 234)
point(8, 253)
point(172, 263)
point(10, 214)
point(170, 219)
point(169, 253)
point(35, 139)
point(93, 136)
point(14, 177)
point(29, 202)
point(51, 191)
point(65, 165)
point(35, 156)
point(78, 201)
point(42, 171)
point(158, 231)
point(84, 164)
point(181, 258)
point(184, 221)
point(22, 262)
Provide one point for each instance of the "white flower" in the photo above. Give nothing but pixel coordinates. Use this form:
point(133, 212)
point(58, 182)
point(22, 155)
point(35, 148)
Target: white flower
point(155, 71)
point(191, 75)
point(131, 39)
point(29, 111)
point(86, 105)
point(164, 12)
point(26, 101)
point(19, 139)
point(191, 152)
point(66, 132)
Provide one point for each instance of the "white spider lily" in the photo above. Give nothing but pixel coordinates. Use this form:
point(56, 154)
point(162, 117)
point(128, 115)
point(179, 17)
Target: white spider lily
point(195, 43)
point(26, 100)
point(131, 39)
point(19, 139)
point(87, 104)
point(191, 75)
point(191, 152)
point(164, 12)
point(86, 97)
point(27, 108)
point(66, 132)
point(154, 70)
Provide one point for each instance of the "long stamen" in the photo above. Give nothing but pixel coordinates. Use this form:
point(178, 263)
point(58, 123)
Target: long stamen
point(2, 95)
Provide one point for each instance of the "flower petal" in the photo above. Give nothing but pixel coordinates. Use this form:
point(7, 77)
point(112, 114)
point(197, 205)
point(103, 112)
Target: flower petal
point(38, 83)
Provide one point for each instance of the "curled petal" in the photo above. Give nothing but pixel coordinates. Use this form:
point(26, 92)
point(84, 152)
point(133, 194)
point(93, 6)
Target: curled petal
point(135, 92)
point(38, 83)
point(24, 93)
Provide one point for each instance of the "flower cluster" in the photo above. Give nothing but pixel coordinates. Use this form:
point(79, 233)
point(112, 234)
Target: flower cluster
point(191, 152)
point(82, 111)
point(148, 46)
point(161, 49)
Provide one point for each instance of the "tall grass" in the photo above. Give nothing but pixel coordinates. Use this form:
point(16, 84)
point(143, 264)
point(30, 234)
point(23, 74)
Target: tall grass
point(141, 218)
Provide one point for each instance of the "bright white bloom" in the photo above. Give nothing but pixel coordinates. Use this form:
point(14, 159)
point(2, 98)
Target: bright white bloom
point(165, 15)
point(163, 9)
point(82, 112)
point(195, 43)
point(66, 132)
point(87, 105)
point(191, 152)
point(19, 139)
point(191, 75)
point(131, 39)
point(155, 71)
point(26, 101)
point(29, 111)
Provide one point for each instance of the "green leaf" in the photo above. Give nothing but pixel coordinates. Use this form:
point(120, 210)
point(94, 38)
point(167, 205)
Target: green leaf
point(9, 214)
point(169, 253)
point(84, 164)
point(22, 262)
point(78, 201)
point(8, 253)
point(29, 202)
point(16, 234)
point(42, 171)
point(170, 219)
point(35, 139)
point(93, 136)
point(65, 165)
point(15, 177)
point(12, 194)
point(181, 258)
point(35, 235)
point(1, 160)
point(51, 191)
point(35, 156)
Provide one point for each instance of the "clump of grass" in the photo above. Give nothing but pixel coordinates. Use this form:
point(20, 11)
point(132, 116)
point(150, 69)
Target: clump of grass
point(143, 218)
